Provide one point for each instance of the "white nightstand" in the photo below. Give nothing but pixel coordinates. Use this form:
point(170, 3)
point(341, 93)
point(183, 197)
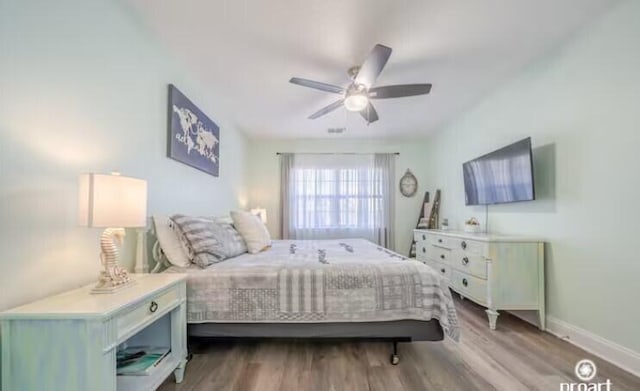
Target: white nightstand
point(68, 341)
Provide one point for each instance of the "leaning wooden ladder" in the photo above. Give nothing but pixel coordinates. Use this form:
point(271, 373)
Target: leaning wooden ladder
point(432, 218)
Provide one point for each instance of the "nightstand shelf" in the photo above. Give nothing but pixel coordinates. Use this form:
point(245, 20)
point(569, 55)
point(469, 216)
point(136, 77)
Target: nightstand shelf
point(69, 341)
point(151, 382)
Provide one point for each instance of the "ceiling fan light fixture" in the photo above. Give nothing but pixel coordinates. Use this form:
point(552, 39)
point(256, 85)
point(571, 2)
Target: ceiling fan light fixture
point(356, 102)
point(358, 96)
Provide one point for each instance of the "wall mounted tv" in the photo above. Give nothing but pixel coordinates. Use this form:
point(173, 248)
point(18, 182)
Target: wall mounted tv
point(504, 175)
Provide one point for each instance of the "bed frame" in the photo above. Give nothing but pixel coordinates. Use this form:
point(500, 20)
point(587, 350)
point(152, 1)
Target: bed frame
point(391, 331)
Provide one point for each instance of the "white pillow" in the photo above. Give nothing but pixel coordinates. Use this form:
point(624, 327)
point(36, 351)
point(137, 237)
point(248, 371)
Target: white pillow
point(223, 220)
point(252, 229)
point(172, 246)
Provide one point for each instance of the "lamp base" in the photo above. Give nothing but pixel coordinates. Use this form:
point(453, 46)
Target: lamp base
point(114, 277)
point(101, 289)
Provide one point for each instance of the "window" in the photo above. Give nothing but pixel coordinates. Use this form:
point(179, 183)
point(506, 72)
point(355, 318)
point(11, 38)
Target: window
point(337, 196)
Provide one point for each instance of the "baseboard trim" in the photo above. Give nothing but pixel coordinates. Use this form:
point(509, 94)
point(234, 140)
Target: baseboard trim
point(612, 352)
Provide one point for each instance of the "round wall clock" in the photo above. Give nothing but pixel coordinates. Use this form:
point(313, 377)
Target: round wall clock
point(408, 184)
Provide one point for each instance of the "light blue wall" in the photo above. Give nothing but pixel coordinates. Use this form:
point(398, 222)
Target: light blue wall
point(581, 106)
point(83, 88)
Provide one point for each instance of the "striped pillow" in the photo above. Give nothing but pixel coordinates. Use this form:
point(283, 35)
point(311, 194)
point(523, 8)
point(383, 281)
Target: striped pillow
point(209, 242)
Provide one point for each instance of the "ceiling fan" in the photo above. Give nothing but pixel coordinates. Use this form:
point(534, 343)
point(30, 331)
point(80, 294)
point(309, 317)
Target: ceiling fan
point(358, 95)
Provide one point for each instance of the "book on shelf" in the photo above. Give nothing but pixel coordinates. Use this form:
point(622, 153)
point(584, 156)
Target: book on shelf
point(139, 360)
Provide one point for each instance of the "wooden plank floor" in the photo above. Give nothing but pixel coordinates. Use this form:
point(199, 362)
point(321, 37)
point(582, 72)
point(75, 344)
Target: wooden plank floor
point(516, 356)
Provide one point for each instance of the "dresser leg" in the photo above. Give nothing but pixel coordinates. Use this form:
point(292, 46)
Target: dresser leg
point(179, 371)
point(493, 318)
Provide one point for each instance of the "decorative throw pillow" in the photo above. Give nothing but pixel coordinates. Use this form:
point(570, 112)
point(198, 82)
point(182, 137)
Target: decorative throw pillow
point(172, 246)
point(234, 242)
point(209, 242)
point(253, 231)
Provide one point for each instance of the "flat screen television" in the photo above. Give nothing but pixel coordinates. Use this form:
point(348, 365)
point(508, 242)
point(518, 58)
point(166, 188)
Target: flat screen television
point(502, 176)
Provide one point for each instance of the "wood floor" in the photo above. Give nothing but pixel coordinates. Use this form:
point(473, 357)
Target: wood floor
point(516, 356)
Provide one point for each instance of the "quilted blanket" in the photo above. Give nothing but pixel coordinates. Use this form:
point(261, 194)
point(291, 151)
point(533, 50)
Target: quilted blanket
point(314, 281)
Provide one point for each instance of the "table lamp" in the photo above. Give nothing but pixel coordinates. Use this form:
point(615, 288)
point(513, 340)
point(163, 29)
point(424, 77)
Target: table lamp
point(112, 202)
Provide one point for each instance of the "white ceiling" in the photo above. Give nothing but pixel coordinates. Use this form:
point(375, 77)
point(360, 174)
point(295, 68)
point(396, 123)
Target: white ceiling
point(245, 51)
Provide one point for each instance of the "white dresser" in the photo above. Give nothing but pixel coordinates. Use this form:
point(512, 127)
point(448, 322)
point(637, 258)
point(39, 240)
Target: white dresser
point(497, 272)
point(68, 342)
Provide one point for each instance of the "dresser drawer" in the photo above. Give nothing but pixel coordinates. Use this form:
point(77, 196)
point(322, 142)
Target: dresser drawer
point(147, 311)
point(441, 241)
point(473, 247)
point(468, 285)
point(475, 265)
point(422, 251)
point(421, 237)
point(438, 254)
point(443, 269)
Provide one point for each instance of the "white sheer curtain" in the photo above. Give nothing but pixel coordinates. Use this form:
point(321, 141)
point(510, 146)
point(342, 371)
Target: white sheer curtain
point(338, 196)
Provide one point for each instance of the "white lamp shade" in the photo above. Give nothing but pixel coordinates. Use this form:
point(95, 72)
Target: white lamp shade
point(261, 213)
point(112, 201)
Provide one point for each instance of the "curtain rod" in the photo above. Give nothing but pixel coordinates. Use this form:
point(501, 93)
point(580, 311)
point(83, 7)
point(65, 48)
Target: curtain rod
point(336, 153)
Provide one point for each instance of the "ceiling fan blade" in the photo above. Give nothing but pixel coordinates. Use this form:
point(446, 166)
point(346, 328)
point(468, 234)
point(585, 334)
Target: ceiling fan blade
point(399, 91)
point(317, 85)
point(327, 109)
point(369, 114)
point(373, 65)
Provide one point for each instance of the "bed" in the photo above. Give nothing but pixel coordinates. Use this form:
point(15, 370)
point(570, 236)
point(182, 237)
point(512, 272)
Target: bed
point(349, 288)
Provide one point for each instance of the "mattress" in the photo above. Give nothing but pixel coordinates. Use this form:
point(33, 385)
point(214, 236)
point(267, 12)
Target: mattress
point(318, 281)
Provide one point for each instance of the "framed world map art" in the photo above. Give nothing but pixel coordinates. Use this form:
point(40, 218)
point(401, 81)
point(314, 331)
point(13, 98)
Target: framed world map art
point(193, 139)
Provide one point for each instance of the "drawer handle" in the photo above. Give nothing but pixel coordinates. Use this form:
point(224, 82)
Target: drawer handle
point(439, 240)
point(442, 271)
point(424, 250)
point(441, 256)
point(465, 261)
point(424, 237)
point(463, 245)
point(465, 282)
point(153, 307)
